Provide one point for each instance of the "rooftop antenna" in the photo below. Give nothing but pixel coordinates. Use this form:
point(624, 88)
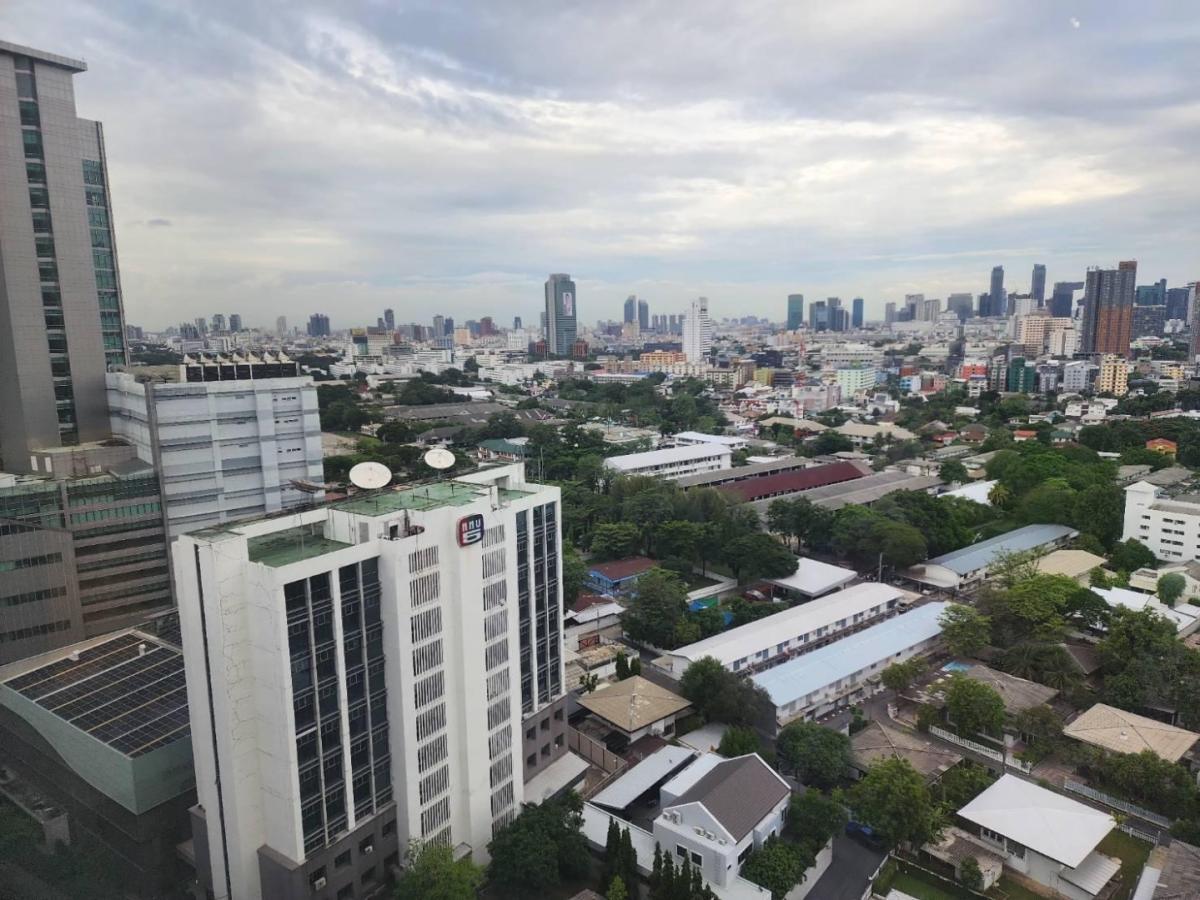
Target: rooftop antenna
point(440, 459)
point(371, 476)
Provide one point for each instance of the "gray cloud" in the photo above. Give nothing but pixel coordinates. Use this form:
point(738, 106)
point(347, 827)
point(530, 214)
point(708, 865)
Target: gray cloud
point(447, 155)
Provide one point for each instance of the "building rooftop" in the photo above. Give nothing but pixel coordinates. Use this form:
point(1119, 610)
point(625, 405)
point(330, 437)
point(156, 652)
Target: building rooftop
point(127, 691)
point(811, 672)
point(633, 703)
point(791, 482)
point(740, 473)
point(631, 461)
point(647, 774)
point(421, 497)
point(1018, 694)
point(745, 640)
point(292, 545)
point(878, 742)
point(813, 577)
point(1180, 878)
point(1125, 732)
point(1072, 563)
point(1055, 826)
point(1182, 615)
point(979, 556)
point(739, 793)
point(620, 569)
point(871, 488)
point(65, 62)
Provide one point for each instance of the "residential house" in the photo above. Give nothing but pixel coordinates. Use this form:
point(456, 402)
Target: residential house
point(1046, 837)
point(879, 741)
point(619, 576)
point(1119, 731)
point(717, 811)
point(635, 707)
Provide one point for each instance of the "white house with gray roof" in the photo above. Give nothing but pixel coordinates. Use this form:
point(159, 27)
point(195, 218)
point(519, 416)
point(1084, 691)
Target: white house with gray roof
point(717, 811)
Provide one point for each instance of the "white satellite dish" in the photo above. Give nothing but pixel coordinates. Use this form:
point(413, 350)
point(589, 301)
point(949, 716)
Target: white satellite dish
point(439, 458)
point(370, 475)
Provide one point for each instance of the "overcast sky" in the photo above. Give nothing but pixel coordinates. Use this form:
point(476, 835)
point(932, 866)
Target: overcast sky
point(282, 158)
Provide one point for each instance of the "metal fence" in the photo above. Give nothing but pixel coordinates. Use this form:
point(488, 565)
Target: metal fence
point(1124, 806)
point(982, 749)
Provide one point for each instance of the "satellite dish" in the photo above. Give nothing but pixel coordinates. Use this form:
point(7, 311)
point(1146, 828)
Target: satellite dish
point(439, 458)
point(370, 475)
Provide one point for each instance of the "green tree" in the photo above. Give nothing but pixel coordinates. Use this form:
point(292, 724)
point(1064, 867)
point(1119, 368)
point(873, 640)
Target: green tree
point(1099, 510)
point(778, 866)
point(432, 873)
point(899, 676)
point(396, 433)
point(616, 890)
point(818, 755)
point(953, 472)
point(813, 818)
point(973, 706)
point(759, 555)
point(1131, 555)
point(1036, 606)
point(657, 608)
point(540, 849)
point(1040, 724)
point(722, 696)
point(615, 540)
point(970, 874)
point(965, 630)
point(894, 800)
point(1171, 587)
point(963, 783)
point(574, 574)
point(738, 741)
point(622, 666)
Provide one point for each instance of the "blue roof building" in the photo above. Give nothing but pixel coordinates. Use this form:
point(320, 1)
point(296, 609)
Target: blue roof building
point(970, 564)
point(847, 671)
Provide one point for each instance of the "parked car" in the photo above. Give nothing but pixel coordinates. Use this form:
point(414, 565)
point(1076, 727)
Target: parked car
point(866, 835)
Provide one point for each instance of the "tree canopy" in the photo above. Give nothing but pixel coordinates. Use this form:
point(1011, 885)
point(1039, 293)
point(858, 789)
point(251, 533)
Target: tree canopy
point(818, 755)
point(973, 706)
point(894, 800)
point(540, 849)
point(432, 873)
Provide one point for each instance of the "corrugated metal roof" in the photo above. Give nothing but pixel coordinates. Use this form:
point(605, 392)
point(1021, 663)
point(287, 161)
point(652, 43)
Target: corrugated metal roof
point(656, 767)
point(809, 673)
point(793, 482)
point(979, 556)
point(632, 461)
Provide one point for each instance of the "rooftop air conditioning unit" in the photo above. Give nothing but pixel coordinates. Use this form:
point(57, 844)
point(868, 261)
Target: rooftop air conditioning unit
point(698, 829)
point(710, 835)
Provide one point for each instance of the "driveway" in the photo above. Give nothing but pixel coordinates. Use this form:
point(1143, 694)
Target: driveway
point(847, 876)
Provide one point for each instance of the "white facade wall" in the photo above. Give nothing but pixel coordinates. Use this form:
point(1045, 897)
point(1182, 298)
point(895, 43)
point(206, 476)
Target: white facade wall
point(225, 449)
point(236, 640)
point(718, 855)
point(720, 458)
point(1169, 528)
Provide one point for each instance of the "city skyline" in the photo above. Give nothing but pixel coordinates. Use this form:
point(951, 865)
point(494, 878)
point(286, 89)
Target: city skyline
point(599, 179)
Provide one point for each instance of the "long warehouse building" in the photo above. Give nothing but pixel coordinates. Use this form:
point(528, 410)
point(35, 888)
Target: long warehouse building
point(772, 640)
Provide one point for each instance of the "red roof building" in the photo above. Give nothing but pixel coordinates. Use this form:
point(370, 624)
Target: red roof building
point(792, 482)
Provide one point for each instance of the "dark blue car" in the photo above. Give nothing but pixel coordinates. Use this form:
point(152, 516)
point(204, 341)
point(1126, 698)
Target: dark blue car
point(865, 835)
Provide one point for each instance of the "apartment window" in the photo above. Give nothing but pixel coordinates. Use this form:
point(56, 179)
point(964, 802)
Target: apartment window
point(696, 858)
point(531, 760)
point(367, 845)
point(316, 875)
point(681, 851)
point(545, 724)
point(389, 827)
point(368, 876)
point(346, 892)
point(33, 144)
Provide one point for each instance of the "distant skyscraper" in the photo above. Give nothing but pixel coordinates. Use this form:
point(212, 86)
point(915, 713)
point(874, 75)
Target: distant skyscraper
point(218, 322)
point(1062, 301)
point(1152, 294)
point(561, 314)
point(516, 323)
point(643, 315)
point(448, 325)
point(281, 326)
point(795, 311)
point(235, 322)
point(856, 312)
point(61, 322)
point(837, 315)
point(389, 320)
point(1177, 303)
point(697, 331)
point(630, 309)
point(439, 326)
point(318, 325)
point(674, 325)
point(1108, 309)
point(998, 303)
point(889, 313)
point(962, 305)
point(1037, 288)
point(202, 325)
point(912, 306)
point(818, 315)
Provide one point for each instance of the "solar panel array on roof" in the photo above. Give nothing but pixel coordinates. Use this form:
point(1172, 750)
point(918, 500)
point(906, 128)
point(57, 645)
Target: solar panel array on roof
point(129, 692)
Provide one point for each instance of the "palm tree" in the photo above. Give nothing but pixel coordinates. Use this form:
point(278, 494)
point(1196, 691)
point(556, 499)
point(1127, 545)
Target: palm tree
point(1000, 496)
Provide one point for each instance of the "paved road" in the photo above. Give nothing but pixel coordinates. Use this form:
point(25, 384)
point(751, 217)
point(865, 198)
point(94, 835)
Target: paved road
point(846, 878)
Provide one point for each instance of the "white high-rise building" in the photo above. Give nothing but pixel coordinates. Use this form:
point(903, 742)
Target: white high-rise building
point(231, 437)
point(1168, 526)
point(697, 331)
point(383, 669)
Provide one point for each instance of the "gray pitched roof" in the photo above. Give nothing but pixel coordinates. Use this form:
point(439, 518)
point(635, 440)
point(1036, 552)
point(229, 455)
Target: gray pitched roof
point(738, 792)
point(1180, 877)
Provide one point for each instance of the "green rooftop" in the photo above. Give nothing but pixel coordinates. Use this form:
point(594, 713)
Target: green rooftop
point(433, 495)
point(283, 548)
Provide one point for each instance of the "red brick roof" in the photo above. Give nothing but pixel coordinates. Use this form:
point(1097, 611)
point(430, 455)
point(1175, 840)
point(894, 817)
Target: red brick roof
point(583, 601)
point(620, 569)
point(790, 482)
